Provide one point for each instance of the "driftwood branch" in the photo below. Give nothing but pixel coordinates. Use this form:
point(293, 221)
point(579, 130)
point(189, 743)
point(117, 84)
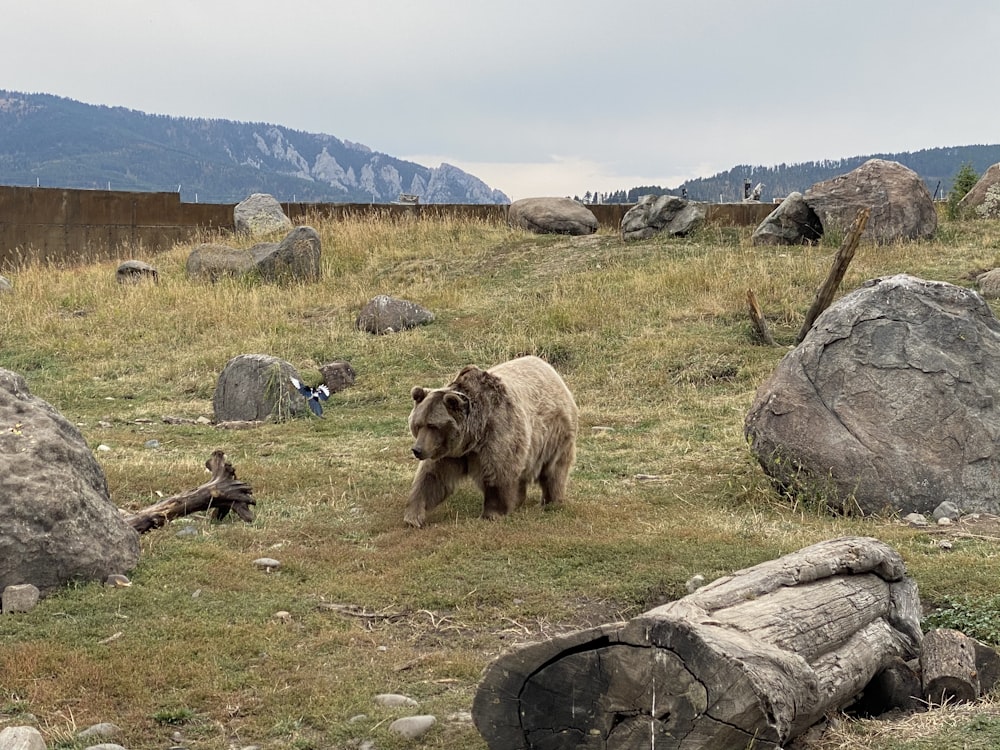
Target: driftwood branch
point(824, 296)
point(221, 494)
point(758, 320)
point(752, 659)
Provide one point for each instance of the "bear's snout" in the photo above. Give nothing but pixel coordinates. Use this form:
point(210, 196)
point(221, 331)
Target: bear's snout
point(418, 452)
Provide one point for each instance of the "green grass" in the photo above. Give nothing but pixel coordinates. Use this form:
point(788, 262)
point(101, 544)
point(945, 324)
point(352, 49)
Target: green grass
point(652, 338)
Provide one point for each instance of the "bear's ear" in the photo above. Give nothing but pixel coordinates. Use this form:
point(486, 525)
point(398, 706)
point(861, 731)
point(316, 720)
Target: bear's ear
point(418, 393)
point(456, 403)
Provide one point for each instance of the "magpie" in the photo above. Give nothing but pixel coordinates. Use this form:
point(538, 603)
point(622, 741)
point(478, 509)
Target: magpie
point(313, 396)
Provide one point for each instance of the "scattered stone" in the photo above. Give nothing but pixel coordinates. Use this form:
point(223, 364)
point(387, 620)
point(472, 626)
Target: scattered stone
point(661, 214)
point(337, 376)
point(117, 581)
point(295, 258)
point(21, 597)
point(187, 531)
point(357, 718)
point(989, 283)
point(394, 700)
point(136, 272)
point(901, 205)
point(254, 388)
point(947, 510)
point(552, 216)
point(21, 738)
point(694, 583)
point(152, 444)
point(983, 200)
point(212, 262)
point(104, 729)
point(412, 727)
point(384, 314)
point(5, 286)
point(203, 420)
point(791, 223)
point(282, 616)
point(464, 717)
point(260, 214)
point(106, 746)
point(916, 519)
point(598, 430)
point(53, 491)
point(945, 544)
point(944, 521)
point(267, 564)
point(103, 448)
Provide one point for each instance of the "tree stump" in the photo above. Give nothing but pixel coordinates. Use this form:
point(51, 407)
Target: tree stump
point(758, 656)
point(948, 666)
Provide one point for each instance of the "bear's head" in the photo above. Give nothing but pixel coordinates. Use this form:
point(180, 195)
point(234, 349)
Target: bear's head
point(438, 423)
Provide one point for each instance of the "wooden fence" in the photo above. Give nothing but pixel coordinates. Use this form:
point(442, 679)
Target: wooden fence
point(64, 226)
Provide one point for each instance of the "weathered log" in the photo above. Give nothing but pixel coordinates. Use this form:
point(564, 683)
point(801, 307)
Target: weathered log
point(221, 494)
point(897, 686)
point(757, 656)
point(948, 667)
point(824, 295)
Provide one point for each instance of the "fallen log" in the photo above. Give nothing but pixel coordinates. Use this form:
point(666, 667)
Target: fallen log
point(221, 494)
point(755, 657)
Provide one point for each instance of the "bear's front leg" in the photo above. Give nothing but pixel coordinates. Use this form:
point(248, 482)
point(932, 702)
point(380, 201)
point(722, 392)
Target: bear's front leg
point(435, 480)
point(499, 500)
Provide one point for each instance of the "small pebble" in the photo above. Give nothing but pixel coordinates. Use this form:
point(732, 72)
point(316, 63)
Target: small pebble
point(116, 581)
point(282, 616)
point(104, 729)
point(916, 519)
point(944, 521)
point(267, 564)
point(393, 700)
point(412, 727)
point(694, 583)
point(187, 531)
point(945, 544)
point(102, 447)
point(152, 443)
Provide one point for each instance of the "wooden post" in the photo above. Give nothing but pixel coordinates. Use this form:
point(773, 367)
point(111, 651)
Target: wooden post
point(753, 658)
point(758, 320)
point(948, 664)
point(824, 296)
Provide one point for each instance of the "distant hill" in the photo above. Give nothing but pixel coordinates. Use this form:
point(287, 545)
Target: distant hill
point(937, 167)
point(57, 142)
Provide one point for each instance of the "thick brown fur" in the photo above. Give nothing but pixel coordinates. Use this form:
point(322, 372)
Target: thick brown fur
point(504, 428)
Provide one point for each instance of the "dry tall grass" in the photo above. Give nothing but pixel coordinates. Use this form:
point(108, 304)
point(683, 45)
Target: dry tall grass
point(652, 338)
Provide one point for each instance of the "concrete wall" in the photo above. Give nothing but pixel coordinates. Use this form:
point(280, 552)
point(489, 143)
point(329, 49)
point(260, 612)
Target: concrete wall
point(69, 226)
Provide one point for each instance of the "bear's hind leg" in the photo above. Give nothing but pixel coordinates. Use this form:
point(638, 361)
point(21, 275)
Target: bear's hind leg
point(554, 477)
point(435, 480)
point(498, 501)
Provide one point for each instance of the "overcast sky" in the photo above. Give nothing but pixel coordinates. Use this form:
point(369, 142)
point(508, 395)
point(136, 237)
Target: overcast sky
point(539, 97)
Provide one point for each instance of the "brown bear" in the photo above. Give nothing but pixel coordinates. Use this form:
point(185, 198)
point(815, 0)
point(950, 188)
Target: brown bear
point(505, 427)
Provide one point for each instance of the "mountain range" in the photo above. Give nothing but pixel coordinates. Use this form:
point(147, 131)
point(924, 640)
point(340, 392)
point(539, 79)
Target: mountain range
point(53, 141)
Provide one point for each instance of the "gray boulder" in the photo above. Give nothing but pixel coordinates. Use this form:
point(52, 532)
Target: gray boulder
point(337, 376)
point(983, 200)
point(661, 214)
point(552, 216)
point(59, 524)
point(260, 214)
point(295, 258)
point(21, 738)
point(989, 283)
point(901, 205)
point(889, 404)
point(212, 262)
point(384, 314)
point(136, 272)
point(255, 388)
point(791, 223)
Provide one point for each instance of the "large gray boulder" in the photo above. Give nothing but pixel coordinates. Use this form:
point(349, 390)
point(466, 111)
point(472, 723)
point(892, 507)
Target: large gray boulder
point(889, 404)
point(260, 214)
point(791, 223)
point(385, 314)
point(295, 258)
point(552, 216)
point(661, 214)
point(58, 522)
point(983, 200)
point(901, 205)
point(256, 388)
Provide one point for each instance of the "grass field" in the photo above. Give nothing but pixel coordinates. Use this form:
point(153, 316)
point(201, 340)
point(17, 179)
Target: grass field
point(652, 338)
